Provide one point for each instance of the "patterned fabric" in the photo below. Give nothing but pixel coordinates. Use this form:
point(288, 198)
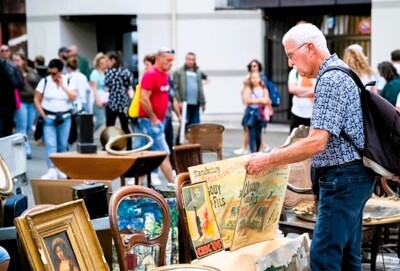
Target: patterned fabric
point(337, 108)
point(118, 80)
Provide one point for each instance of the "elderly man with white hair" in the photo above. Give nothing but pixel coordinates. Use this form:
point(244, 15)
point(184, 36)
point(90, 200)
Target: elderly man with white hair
point(341, 183)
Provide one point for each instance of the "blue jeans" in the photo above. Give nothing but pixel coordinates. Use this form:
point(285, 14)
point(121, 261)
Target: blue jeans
point(156, 132)
point(100, 115)
point(192, 114)
point(55, 137)
point(255, 132)
point(24, 118)
point(336, 242)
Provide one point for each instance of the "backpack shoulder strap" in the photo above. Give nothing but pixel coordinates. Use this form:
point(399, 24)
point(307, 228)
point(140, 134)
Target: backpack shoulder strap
point(349, 72)
point(360, 85)
point(44, 87)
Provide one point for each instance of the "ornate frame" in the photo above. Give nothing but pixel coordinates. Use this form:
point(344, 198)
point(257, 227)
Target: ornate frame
point(68, 223)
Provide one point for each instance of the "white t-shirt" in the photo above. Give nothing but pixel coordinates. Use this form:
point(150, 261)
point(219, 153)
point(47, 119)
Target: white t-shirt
point(82, 85)
point(54, 98)
point(301, 106)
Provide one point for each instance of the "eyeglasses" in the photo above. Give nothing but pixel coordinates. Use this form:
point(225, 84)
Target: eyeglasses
point(4, 50)
point(290, 55)
point(52, 73)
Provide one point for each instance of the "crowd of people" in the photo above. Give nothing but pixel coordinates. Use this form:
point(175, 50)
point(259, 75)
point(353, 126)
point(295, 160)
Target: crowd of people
point(52, 94)
point(328, 107)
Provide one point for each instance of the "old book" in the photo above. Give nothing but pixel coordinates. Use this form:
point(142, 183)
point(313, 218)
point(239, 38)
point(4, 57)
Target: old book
point(203, 228)
point(260, 207)
point(225, 181)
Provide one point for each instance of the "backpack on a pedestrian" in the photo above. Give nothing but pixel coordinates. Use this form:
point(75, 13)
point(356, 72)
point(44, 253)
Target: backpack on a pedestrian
point(381, 122)
point(274, 93)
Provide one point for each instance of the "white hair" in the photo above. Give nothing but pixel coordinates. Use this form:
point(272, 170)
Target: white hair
point(303, 33)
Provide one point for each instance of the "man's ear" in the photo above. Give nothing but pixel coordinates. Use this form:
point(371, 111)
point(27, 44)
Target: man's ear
point(310, 47)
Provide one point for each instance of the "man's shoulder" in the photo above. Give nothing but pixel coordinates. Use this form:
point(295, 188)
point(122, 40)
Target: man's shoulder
point(179, 70)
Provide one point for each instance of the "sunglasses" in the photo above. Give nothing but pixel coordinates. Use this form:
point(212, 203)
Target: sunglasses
point(166, 50)
point(52, 73)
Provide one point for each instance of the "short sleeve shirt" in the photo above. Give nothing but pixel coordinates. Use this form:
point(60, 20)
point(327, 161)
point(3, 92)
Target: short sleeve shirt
point(337, 108)
point(158, 83)
point(54, 98)
point(97, 78)
point(118, 81)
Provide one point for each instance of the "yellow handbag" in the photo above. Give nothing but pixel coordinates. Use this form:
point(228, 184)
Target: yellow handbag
point(133, 111)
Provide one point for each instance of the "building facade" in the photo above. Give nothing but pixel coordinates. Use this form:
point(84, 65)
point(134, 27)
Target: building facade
point(225, 35)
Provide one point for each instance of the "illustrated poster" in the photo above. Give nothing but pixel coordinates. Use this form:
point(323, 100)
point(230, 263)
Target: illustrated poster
point(203, 228)
point(294, 255)
point(225, 181)
point(260, 207)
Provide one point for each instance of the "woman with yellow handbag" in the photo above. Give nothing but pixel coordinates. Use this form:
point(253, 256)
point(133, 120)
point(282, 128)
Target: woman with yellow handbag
point(133, 111)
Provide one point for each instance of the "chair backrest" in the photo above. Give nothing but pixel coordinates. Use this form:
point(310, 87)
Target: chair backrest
point(187, 155)
point(208, 135)
point(181, 180)
point(140, 223)
point(21, 251)
point(299, 184)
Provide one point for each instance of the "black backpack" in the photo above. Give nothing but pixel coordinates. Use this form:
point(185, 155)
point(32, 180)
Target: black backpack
point(381, 121)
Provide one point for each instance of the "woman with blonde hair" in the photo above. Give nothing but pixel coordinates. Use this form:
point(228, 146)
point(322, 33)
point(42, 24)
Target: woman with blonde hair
point(357, 61)
point(97, 83)
point(256, 98)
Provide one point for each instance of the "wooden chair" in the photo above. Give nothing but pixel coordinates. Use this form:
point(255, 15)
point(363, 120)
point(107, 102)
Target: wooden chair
point(187, 155)
point(21, 251)
point(208, 135)
point(299, 185)
point(186, 253)
point(131, 207)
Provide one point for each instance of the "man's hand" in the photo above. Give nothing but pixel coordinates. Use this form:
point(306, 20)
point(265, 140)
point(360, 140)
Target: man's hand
point(257, 163)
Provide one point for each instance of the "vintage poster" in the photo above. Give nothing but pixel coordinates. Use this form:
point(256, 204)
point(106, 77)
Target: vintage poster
point(293, 256)
point(260, 206)
point(225, 181)
point(201, 221)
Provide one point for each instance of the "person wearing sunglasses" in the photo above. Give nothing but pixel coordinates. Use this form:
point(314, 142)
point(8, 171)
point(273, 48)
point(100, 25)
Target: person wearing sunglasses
point(341, 183)
point(154, 100)
point(5, 52)
point(53, 98)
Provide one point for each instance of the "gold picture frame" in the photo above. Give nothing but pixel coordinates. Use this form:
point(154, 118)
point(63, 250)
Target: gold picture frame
point(59, 236)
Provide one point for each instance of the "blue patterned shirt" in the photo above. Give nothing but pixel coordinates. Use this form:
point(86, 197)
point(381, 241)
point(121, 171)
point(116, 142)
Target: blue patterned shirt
point(337, 108)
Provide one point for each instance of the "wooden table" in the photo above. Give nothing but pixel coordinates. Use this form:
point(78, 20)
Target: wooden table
point(105, 166)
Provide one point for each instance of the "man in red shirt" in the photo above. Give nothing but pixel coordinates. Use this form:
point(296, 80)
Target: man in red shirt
point(154, 101)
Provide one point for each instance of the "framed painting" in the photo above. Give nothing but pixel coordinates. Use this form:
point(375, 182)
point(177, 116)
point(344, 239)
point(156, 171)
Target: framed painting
point(61, 238)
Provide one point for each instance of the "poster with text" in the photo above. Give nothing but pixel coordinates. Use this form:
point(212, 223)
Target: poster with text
point(260, 206)
point(203, 228)
point(225, 181)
